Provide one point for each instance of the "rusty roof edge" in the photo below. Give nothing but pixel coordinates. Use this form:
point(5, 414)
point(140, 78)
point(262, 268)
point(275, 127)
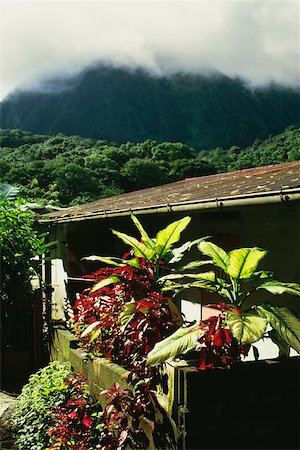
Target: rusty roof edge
point(283, 195)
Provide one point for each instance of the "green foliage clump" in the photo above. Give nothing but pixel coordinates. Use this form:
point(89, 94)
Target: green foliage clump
point(31, 417)
point(16, 138)
point(70, 170)
point(242, 320)
point(66, 171)
point(281, 148)
point(19, 244)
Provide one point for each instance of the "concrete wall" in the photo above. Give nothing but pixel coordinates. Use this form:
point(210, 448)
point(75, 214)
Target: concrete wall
point(254, 405)
point(99, 372)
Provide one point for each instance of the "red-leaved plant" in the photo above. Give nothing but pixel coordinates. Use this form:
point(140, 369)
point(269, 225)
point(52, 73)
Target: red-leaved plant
point(124, 320)
point(122, 420)
point(78, 424)
point(219, 348)
point(124, 315)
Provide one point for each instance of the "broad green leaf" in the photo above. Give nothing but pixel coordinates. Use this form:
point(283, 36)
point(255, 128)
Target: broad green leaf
point(168, 236)
point(144, 235)
point(284, 347)
point(242, 262)
point(218, 255)
point(134, 262)
point(139, 248)
point(205, 276)
point(284, 322)
point(118, 262)
point(195, 284)
point(262, 276)
point(179, 252)
point(106, 260)
point(278, 288)
point(9, 191)
point(90, 328)
point(246, 327)
point(104, 282)
point(180, 342)
point(127, 313)
point(194, 265)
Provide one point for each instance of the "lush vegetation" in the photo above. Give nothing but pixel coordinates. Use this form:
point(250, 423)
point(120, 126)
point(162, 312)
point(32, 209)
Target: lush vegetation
point(30, 419)
point(71, 170)
point(223, 338)
point(130, 306)
point(128, 316)
point(20, 243)
point(281, 148)
point(203, 112)
point(55, 410)
point(129, 309)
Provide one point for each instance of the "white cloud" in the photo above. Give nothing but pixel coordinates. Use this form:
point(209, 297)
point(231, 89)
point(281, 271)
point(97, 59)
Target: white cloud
point(257, 40)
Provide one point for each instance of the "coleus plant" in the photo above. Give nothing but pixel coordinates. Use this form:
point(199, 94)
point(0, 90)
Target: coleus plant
point(122, 415)
point(124, 314)
point(78, 423)
point(81, 424)
point(223, 339)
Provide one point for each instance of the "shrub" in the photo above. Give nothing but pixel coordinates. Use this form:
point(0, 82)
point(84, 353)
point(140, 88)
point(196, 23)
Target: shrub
point(19, 244)
point(124, 314)
point(31, 417)
point(56, 411)
point(78, 423)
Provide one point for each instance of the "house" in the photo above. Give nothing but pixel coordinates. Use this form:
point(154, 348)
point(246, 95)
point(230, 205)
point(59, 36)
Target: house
point(250, 207)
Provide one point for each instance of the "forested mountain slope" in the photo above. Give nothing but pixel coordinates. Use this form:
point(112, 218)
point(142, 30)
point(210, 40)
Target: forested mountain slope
point(116, 105)
point(72, 170)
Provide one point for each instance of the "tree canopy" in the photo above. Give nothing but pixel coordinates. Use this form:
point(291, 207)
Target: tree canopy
point(69, 170)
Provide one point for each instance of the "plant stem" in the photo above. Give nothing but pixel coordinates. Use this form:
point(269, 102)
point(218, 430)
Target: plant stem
point(235, 291)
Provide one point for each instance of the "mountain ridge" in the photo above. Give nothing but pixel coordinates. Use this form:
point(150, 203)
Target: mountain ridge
point(202, 111)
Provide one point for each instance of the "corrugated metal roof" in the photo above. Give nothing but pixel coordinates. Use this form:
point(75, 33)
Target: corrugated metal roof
point(255, 182)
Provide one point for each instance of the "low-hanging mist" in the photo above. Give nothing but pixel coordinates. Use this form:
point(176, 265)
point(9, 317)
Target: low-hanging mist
point(255, 40)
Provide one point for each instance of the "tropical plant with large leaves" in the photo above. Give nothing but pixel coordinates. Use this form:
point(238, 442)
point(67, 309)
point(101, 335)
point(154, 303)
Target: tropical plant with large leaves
point(158, 250)
point(153, 256)
point(234, 277)
point(126, 294)
point(124, 314)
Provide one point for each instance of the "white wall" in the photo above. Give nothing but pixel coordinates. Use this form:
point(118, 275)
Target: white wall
point(59, 294)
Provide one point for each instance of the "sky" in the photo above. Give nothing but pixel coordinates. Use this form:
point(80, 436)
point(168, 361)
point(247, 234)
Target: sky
point(256, 40)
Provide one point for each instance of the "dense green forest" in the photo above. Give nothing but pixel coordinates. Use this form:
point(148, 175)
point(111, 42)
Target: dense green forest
point(203, 112)
point(68, 170)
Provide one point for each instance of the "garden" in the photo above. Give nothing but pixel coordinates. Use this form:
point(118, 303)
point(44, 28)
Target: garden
point(130, 316)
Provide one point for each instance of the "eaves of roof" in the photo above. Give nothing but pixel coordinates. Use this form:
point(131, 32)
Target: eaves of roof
point(263, 185)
